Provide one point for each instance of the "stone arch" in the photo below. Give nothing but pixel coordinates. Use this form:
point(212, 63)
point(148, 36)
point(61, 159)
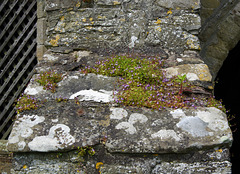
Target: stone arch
point(220, 31)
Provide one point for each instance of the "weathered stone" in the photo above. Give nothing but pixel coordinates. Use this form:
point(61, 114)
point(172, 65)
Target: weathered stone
point(57, 127)
point(125, 139)
point(134, 131)
point(78, 85)
point(131, 26)
point(217, 41)
point(185, 4)
point(118, 163)
point(5, 158)
point(198, 167)
point(193, 72)
point(162, 136)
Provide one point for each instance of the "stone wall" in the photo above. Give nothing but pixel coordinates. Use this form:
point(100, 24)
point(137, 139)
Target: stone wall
point(171, 27)
point(73, 34)
point(106, 24)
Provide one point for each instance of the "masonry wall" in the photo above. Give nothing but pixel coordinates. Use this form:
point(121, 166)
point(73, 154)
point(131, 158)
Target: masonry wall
point(107, 24)
point(76, 33)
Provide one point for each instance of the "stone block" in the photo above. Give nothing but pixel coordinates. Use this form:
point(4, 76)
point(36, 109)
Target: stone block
point(183, 4)
point(41, 31)
point(41, 9)
point(193, 72)
point(41, 49)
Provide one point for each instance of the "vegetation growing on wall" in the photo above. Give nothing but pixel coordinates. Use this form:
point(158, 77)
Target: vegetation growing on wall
point(143, 83)
point(49, 80)
point(26, 102)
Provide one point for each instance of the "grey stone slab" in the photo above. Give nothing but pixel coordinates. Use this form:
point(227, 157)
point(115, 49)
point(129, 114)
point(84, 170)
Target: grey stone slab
point(65, 125)
point(73, 85)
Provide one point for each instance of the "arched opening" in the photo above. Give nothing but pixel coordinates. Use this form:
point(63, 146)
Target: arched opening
point(227, 88)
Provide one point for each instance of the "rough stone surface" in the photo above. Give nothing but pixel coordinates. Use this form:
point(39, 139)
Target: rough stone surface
point(133, 131)
point(193, 72)
point(5, 158)
point(131, 24)
point(85, 87)
point(69, 162)
point(218, 41)
point(125, 139)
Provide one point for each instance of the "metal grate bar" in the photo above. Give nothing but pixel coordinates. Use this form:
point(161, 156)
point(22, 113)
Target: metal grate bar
point(12, 19)
point(3, 5)
point(5, 122)
point(7, 12)
point(18, 20)
point(17, 93)
point(17, 25)
point(18, 64)
point(6, 133)
point(19, 49)
point(18, 77)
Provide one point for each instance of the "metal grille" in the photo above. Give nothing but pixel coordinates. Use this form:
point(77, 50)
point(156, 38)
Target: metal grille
point(18, 19)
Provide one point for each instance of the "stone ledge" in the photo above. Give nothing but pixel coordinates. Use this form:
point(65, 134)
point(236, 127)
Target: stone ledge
point(125, 139)
point(89, 115)
point(66, 125)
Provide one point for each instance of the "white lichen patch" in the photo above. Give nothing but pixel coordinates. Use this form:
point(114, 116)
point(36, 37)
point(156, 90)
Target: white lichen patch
point(59, 137)
point(23, 128)
point(134, 40)
point(194, 126)
point(192, 76)
point(215, 118)
point(55, 120)
point(166, 135)
point(49, 57)
point(177, 113)
point(91, 95)
point(21, 145)
point(118, 113)
point(136, 117)
point(128, 127)
point(33, 89)
point(179, 60)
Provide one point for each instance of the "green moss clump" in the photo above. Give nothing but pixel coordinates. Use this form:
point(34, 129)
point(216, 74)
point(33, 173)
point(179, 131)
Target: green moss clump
point(143, 83)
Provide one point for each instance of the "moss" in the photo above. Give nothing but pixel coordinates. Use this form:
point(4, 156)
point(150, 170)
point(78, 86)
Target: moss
point(143, 83)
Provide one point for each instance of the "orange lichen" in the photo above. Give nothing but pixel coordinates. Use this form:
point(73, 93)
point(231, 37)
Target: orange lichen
point(169, 11)
point(158, 21)
point(54, 42)
point(98, 165)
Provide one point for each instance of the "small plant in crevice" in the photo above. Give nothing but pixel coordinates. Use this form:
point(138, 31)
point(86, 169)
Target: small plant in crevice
point(61, 99)
point(26, 102)
point(180, 80)
point(49, 80)
point(212, 102)
point(87, 150)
